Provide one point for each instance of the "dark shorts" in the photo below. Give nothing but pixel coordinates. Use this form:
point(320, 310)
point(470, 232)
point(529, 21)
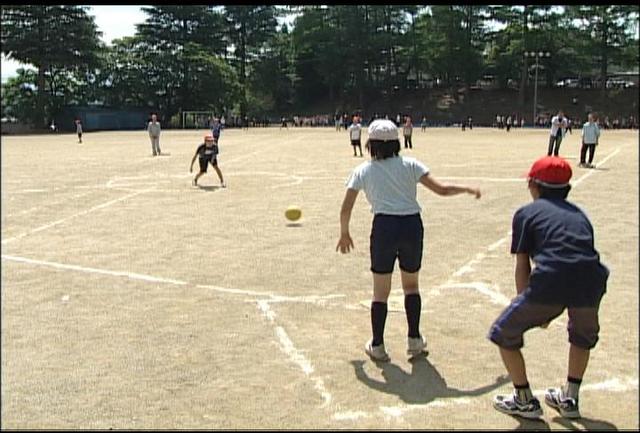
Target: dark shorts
point(523, 314)
point(396, 236)
point(204, 163)
point(355, 143)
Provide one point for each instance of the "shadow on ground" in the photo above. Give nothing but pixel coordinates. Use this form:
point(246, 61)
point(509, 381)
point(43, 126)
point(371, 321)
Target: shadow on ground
point(422, 385)
point(585, 424)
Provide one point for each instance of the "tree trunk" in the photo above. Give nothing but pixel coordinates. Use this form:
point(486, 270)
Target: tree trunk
point(605, 58)
point(524, 75)
point(40, 100)
point(41, 96)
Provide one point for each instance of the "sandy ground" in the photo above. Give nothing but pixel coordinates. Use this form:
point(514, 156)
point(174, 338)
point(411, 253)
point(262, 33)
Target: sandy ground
point(131, 299)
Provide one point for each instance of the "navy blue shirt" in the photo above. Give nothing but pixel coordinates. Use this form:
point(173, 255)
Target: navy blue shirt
point(558, 237)
point(216, 129)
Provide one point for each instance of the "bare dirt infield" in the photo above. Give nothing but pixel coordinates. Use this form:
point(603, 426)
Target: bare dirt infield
point(131, 299)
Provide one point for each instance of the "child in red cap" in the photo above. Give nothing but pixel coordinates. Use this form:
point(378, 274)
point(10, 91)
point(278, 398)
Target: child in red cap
point(207, 153)
point(558, 237)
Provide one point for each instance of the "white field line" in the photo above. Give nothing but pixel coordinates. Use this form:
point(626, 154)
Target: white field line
point(295, 355)
point(390, 412)
point(55, 203)
point(129, 275)
point(314, 299)
point(591, 172)
point(468, 267)
point(84, 212)
point(493, 294)
point(286, 345)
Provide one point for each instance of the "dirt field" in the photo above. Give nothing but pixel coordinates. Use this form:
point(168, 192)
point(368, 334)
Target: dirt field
point(131, 299)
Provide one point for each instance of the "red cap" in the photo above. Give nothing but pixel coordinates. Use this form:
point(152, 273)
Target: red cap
point(551, 171)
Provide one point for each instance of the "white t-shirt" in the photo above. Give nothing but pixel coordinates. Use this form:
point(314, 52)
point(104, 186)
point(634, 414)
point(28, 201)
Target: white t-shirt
point(354, 131)
point(390, 185)
point(555, 124)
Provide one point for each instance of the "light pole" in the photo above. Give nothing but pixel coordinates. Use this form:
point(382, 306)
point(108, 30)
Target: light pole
point(537, 55)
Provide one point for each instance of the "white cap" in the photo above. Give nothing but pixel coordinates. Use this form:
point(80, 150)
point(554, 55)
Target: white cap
point(383, 129)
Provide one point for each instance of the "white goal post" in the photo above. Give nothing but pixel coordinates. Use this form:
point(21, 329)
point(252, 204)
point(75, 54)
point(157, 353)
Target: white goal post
point(197, 119)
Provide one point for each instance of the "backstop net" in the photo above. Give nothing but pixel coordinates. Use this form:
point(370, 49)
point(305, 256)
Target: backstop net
point(197, 119)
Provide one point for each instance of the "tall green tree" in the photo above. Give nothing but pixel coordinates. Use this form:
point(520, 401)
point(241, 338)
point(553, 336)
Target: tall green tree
point(170, 41)
point(610, 29)
point(53, 39)
point(19, 96)
point(249, 29)
point(271, 85)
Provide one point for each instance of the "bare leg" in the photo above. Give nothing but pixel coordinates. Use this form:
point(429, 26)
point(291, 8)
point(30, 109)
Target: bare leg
point(219, 174)
point(514, 363)
point(578, 360)
point(410, 282)
point(381, 287)
point(195, 180)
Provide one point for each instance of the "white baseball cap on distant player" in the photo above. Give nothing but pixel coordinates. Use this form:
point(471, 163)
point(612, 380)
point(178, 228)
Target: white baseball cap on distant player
point(383, 129)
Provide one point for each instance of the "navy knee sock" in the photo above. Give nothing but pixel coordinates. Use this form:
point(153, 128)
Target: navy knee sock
point(412, 308)
point(378, 318)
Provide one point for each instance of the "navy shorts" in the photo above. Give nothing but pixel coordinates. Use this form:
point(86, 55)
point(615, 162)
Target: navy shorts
point(355, 142)
point(204, 162)
point(523, 314)
point(396, 236)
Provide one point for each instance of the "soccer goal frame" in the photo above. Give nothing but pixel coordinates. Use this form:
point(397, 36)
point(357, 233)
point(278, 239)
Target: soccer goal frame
point(197, 119)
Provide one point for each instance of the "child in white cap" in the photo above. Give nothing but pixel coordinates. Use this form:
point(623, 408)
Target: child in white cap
point(389, 182)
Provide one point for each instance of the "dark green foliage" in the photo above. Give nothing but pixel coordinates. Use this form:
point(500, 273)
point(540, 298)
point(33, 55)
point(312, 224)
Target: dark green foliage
point(241, 59)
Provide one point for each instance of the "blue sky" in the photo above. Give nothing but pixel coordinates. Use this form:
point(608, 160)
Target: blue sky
point(113, 21)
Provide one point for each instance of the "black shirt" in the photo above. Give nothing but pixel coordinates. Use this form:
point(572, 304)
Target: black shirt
point(205, 152)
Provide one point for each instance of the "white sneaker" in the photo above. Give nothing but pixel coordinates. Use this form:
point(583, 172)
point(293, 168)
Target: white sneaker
point(511, 405)
point(568, 407)
point(416, 346)
point(377, 353)
point(224, 185)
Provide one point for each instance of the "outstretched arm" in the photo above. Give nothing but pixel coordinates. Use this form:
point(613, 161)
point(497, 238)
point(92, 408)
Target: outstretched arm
point(361, 375)
point(445, 190)
point(345, 243)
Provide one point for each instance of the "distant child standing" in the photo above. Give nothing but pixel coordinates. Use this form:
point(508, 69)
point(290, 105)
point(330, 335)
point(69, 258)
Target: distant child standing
point(207, 153)
point(154, 134)
point(423, 124)
point(216, 129)
point(557, 237)
point(355, 130)
point(558, 127)
point(407, 131)
point(590, 137)
point(79, 130)
point(389, 182)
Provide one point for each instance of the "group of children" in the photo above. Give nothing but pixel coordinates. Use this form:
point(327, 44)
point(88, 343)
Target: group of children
point(552, 233)
point(355, 132)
